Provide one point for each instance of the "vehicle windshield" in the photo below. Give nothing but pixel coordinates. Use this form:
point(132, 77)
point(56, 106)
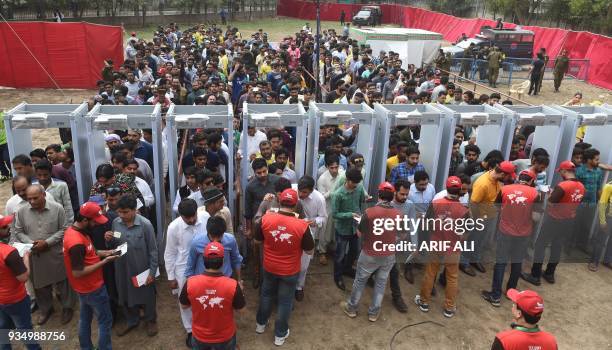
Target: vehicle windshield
point(363, 13)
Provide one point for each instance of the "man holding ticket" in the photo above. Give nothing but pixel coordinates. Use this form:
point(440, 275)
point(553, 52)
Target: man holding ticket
point(83, 269)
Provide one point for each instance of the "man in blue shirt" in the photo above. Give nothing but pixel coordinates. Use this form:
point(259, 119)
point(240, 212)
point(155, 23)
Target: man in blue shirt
point(238, 77)
point(275, 78)
point(406, 170)
point(215, 227)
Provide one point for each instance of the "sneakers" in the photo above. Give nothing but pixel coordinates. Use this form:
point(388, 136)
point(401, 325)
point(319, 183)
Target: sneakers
point(260, 328)
point(422, 306)
point(488, 296)
point(374, 317)
point(279, 341)
point(345, 308)
point(593, 267)
point(449, 313)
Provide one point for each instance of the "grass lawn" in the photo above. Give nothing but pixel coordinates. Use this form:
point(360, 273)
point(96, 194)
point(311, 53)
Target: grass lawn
point(277, 27)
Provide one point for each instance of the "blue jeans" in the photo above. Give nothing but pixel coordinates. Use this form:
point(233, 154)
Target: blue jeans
point(480, 239)
point(379, 266)
point(511, 250)
point(228, 345)
point(98, 303)
point(17, 316)
point(343, 260)
point(283, 288)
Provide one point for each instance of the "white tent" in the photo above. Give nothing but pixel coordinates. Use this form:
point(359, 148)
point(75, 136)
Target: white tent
point(413, 45)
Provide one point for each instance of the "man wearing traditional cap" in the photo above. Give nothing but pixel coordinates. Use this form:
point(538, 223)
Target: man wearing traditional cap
point(375, 259)
point(525, 334)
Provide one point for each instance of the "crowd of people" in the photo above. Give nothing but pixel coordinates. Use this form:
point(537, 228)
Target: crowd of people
point(105, 252)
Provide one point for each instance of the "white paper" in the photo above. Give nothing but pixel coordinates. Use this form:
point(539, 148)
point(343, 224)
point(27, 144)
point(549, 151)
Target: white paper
point(22, 248)
point(122, 248)
point(141, 278)
point(117, 234)
point(357, 219)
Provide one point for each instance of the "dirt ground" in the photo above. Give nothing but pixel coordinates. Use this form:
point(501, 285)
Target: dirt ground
point(577, 307)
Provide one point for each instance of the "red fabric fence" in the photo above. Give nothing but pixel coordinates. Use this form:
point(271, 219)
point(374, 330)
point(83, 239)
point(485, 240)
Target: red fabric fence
point(580, 45)
point(72, 53)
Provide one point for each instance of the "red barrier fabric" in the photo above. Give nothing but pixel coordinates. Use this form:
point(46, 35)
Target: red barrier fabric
point(72, 53)
point(580, 45)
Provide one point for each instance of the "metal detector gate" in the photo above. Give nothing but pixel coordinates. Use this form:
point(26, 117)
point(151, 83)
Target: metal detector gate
point(495, 127)
point(194, 117)
point(21, 120)
point(108, 117)
point(274, 116)
point(436, 131)
point(336, 114)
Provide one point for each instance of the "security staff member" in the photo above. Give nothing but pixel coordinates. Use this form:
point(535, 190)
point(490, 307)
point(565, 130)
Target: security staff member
point(84, 273)
point(466, 62)
point(495, 59)
point(558, 223)
point(14, 271)
point(213, 298)
point(525, 334)
point(560, 69)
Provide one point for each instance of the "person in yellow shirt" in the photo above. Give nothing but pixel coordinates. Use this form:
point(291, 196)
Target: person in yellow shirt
point(392, 162)
point(604, 231)
point(223, 61)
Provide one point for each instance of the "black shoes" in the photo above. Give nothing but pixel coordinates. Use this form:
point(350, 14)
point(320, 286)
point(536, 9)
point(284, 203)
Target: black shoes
point(531, 279)
point(400, 305)
point(340, 285)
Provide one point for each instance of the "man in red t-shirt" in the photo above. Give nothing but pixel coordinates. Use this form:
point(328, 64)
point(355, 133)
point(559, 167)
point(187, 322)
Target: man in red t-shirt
point(84, 272)
point(446, 238)
point(525, 334)
point(515, 229)
point(213, 298)
point(14, 272)
point(557, 225)
point(284, 237)
point(376, 259)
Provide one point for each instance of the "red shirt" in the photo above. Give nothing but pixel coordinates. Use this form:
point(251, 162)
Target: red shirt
point(282, 243)
point(573, 192)
point(90, 282)
point(211, 299)
point(371, 234)
point(11, 290)
point(515, 339)
point(444, 209)
point(517, 204)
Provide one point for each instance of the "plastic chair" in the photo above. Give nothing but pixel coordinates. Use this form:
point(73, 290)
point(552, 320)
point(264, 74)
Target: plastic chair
point(519, 89)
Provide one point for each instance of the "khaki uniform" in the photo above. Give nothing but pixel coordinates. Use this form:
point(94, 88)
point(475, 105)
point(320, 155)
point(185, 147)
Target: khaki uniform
point(546, 59)
point(443, 63)
point(466, 63)
point(561, 67)
point(494, 59)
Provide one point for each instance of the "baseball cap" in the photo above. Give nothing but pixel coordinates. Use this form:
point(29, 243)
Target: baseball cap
point(527, 300)
point(289, 197)
point(529, 173)
point(566, 165)
point(386, 186)
point(214, 250)
point(211, 194)
point(133, 33)
point(453, 182)
point(93, 212)
point(508, 168)
point(6, 220)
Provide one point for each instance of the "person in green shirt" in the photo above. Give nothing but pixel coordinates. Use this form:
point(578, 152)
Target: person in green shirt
point(5, 170)
point(346, 207)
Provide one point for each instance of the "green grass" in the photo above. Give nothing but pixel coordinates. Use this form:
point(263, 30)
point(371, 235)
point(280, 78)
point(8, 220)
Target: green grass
point(277, 28)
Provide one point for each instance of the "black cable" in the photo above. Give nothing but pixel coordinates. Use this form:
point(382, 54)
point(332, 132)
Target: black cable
point(408, 326)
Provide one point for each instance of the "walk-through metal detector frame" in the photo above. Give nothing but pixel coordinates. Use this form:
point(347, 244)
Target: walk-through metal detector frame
point(110, 117)
point(436, 138)
point(495, 126)
point(274, 116)
point(555, 132)
point(347, 114)
point(23, 118)
point(194, 117)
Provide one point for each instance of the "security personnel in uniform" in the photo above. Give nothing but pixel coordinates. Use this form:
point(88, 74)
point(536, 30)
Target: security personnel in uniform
point(213, 298)
point(558, 223)
point(495, 59)
point(546, 58)
point(443, 62)
point(561, 67)
point(466, 62)
point(525, 334)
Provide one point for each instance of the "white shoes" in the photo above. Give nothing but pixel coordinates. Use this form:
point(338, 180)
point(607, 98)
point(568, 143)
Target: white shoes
point(278, 341)
point(260, 328)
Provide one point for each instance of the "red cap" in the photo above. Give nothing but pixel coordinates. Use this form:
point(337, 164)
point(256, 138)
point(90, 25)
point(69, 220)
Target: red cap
point(6, 220)
point(508, 168)
point(289, 197)
point(93, 212)
point(214, 250)
point(527, 300)
point(386, 186)
point(529, 173)
point(566, 165)
point(133, 33)
point(453, 182)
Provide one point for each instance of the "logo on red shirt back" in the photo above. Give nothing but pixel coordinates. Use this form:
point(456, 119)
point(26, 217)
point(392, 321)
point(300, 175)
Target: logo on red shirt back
point(576, 197)
point(517, 198)
point(280, 235)
point(210, 299)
